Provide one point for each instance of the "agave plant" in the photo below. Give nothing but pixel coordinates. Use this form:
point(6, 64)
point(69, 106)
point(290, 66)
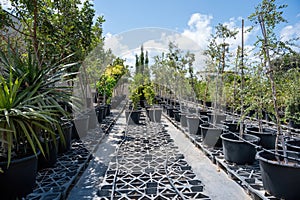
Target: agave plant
point(30, 101)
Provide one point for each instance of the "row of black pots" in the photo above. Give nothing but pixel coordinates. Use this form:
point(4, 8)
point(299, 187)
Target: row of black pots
point(266, 115)
point(19, 179)
point(77, 129)
point(279, 178)
point(276, 176)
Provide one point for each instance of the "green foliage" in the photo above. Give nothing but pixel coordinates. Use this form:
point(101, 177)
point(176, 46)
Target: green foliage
point(110, 77)
point(105, 86)
point(51, 35)
point(149, 93)
point(293, 109)
point(29, 102)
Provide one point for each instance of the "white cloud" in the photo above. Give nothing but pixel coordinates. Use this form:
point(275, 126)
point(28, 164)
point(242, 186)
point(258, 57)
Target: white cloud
point(290, 32)
point(114, 42)
point(199, 29)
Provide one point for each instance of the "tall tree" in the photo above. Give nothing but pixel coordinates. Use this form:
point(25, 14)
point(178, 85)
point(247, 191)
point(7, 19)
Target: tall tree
point(268, 14)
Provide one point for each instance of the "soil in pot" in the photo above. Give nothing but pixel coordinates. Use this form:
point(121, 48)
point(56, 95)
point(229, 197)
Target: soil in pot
point(238, 151)
point(267, 136)
point(193, 124)
point(293, 145)
point(132, 117)
point(19, 179)
point(211, 135)
point(279, 179)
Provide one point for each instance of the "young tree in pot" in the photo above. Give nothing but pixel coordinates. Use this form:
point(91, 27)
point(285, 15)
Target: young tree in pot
point(136, 89)
point(238, 148)
point(258, 99)
point(280, 171)
point(154, 112)
point(217, 51)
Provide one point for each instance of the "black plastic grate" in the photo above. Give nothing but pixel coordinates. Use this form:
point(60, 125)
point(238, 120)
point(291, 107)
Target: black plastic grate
point(247, 176)
point(141, 172)
point(55, 183)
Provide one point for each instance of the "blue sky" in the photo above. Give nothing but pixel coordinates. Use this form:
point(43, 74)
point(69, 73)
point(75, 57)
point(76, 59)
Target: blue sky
point(128, 23)
point(193, 19)
point(123, 15)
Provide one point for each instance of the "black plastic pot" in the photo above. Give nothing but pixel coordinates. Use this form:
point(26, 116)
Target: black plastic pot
point(279, 179)
point(105, 108)
point(219, 117)
point(100, 113)
point(82, 125)
point(132, 117)
point(51, 150)
point(67, 128)
point(294, 124)
point(293, 145)
point(176, 115)
point(233, 126)
point(267, 136)
point(208, 103)
point(204, 119)
point(211, 135)
point(108, 110)
point(19, 179)
point(170, 111)
point(183, 120)
point(155, 114)
point(238, 151)
point(193, 124)
point(92, 119)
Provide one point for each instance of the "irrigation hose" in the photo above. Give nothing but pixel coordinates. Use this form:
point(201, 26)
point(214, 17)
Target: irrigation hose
point(170, 180)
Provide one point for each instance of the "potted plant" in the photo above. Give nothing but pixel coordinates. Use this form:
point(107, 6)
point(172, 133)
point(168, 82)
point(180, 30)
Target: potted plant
point(133, 114)
point(280, 169)
point(28, 105)
point(154, 112)
point(239, 148)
